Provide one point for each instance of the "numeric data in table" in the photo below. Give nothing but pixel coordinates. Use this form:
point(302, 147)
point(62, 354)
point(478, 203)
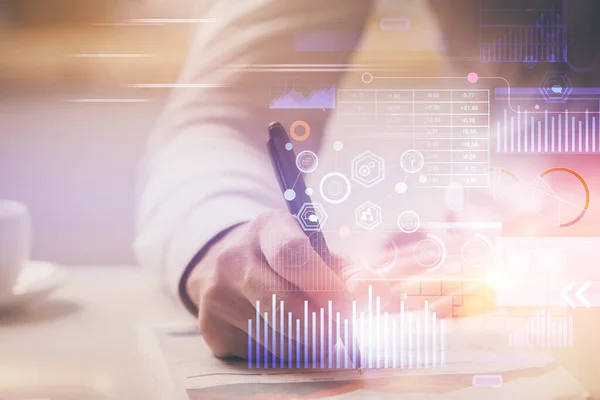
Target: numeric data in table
point(449, 127)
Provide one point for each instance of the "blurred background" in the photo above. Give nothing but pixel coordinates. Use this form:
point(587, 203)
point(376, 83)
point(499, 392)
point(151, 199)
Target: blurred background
point(71, 129)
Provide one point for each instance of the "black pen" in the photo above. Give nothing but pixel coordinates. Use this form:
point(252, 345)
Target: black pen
point(288, 176)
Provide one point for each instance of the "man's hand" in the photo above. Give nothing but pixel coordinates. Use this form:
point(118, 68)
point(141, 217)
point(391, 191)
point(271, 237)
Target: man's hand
point(270, 252)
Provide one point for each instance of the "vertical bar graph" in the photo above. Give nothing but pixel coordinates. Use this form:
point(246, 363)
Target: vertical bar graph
point(347, 355)
point(512, 134)
point(539, 35)
point(386, 350)
point(353, 331)
point(545, 130)
point(519, 131)
point(378, 332)
point(362, 338)
point(426, 334)
point(330, 334)
point(402, 334)
point(258, 334)
point(593, 134)
point(531, 340)
point(543, 330)
point(434, 339)
point(290, 340)
point(394, 346)
point(542, 317)
point(545, 133)
point(274, 330)
point(306, 334)
point(337, 349)
point(553, 130)
point(418, 340)
point(370, 328)
point(539, 136)
point(442, 343)
point(570, 333)
point(322, 339)
point(314, 339)
point(579, 141)
point(573, 134)
point(250, 343)
point(566, 148)
point(408, 339)
point(559, 339)
point(587, 131)
point(281, 333)
point(266, 342)
point(297, 343)
point(525, 126)
point(559, 133)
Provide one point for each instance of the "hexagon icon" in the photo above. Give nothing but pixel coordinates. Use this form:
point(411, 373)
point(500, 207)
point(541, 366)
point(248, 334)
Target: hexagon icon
point(368, 215)
point(368, 169)
point(312, 217)
point(556, 88)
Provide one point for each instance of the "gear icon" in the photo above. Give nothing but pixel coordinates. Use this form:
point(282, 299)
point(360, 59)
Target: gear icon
point(368, 169)
point(364, 171)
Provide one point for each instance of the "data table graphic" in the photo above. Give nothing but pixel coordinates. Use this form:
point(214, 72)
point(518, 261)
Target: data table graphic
point(522, 31)
point(449, 127)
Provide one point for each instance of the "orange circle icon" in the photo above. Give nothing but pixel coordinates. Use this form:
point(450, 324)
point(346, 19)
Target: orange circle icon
point(304, 135)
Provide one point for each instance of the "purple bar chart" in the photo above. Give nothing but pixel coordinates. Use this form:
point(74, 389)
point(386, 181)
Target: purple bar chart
point(525, 33)
point(406, 339)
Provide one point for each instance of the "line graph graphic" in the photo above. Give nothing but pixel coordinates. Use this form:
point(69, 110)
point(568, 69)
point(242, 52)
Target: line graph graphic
point(522, 31)
point(302, 97)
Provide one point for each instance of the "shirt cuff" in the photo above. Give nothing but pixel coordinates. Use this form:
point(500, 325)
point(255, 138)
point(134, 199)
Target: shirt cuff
point(191, 241)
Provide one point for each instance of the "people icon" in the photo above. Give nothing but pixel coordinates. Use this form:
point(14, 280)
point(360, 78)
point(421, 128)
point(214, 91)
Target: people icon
point(367, 215)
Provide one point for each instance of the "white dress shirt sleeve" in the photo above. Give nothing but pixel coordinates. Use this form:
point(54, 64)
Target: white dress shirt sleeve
point(206, 166)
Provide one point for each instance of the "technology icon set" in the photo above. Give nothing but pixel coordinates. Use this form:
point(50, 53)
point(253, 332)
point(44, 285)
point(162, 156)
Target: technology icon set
point(367, 170)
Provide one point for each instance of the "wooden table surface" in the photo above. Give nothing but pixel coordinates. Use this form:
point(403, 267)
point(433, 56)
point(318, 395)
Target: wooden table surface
point(82, 343)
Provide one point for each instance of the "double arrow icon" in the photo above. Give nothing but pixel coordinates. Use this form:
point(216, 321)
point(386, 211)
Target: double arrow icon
point(578, 294)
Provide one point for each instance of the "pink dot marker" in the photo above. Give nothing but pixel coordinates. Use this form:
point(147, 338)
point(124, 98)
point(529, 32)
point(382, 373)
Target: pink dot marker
point(473, 77)
point(537, 107)
point(344, 231)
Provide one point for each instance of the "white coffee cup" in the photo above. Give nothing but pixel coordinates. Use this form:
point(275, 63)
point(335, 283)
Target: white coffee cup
point(15, 242)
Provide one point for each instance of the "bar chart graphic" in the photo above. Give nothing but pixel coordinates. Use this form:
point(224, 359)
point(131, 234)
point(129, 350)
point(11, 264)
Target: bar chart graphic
point(530, 124)
point(522, 31)
point(544, 330)
point(324, 340)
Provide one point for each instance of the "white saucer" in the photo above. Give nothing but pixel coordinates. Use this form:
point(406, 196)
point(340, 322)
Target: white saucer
point(36, 281)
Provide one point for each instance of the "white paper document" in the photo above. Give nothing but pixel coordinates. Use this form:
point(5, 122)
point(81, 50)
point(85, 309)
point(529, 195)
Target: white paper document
point(476, 361)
